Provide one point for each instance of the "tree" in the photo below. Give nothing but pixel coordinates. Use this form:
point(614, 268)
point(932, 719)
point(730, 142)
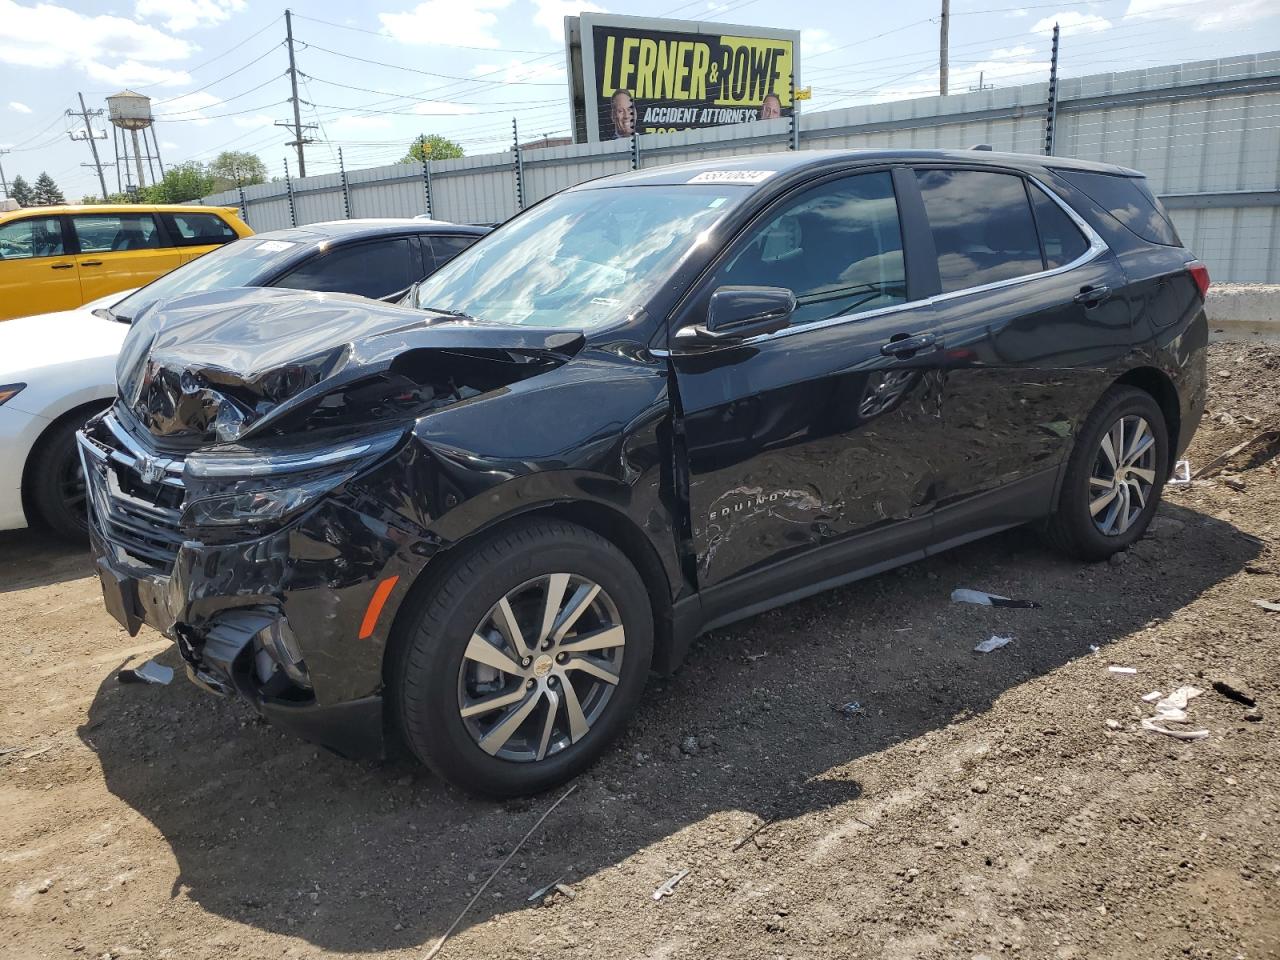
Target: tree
point(46, 192)
point(20, 192)
point(236, 167)
point(432, 147)
point(186, 181)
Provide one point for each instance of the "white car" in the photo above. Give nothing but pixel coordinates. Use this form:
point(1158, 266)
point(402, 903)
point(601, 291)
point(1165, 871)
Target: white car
point(58, 369)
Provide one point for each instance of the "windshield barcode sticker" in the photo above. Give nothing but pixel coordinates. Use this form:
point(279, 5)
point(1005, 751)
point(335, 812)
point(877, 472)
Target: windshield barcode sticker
point(733, 176)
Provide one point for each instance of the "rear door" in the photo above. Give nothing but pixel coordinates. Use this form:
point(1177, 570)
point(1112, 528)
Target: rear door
point(196, 233)
point(370, 268)
point(119, 251)
point(37, 274)
point(1032, 310)
point(818, 435)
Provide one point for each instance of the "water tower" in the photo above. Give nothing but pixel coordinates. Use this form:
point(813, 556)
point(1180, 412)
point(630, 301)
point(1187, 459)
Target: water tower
point(129, 111)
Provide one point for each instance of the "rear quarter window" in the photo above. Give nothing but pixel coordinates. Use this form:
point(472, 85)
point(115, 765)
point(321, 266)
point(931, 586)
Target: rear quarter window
point(198, 229)
point(1129, 200)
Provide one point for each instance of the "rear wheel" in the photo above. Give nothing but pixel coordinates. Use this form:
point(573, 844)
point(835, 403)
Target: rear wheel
point(525, 660)
point(1114, 477)
point(55, 482)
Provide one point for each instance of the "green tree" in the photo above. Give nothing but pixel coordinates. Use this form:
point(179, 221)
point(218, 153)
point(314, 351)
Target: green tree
point(432, 147)
point(186, 181)
point(232, 167)
point(46, 192)
point(20, 192)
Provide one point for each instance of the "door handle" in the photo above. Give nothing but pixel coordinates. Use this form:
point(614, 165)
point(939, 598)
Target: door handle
point(62, 266)
point(1092, 296)
point(90, 263)
point(904, 346)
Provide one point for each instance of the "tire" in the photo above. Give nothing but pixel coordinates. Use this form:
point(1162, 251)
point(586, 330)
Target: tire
point(434, 675)
point(1074, 528)
point(55, 482)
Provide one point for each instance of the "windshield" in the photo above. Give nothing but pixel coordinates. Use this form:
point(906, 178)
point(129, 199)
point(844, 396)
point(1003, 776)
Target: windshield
point(241, 263)
point(583, 259)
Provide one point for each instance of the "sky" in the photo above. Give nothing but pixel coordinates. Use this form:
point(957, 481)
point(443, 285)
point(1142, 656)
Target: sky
point(374, 75)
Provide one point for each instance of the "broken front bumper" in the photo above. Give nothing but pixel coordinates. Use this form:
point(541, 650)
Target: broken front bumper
point(225, 605)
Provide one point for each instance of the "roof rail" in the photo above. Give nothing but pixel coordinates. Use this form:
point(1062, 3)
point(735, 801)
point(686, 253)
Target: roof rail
point(981, 146)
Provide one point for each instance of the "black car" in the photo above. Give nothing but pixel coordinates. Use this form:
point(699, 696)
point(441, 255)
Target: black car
point(644, 408)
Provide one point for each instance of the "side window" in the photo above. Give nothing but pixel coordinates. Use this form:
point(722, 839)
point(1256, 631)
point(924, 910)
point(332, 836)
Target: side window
point(370, 269)
point(116, 232)
point(837, 247)
point(1060, 239)
point(32, 237)
point(198, 229)
point(982, 226)
point(1128, 200)
point(446, 248)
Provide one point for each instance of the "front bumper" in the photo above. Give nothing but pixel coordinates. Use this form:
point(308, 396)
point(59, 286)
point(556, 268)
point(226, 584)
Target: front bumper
point(317, 575)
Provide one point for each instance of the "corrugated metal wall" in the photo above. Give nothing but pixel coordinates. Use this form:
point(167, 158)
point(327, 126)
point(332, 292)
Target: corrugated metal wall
point(1207, 134)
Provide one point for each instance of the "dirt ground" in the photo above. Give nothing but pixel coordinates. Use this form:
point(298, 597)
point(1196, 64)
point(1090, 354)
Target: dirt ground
point(971, 805)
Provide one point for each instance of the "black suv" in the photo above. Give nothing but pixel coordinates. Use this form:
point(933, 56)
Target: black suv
point(644, 408)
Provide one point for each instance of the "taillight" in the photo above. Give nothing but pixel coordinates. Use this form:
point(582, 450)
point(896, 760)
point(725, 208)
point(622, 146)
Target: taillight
point(1200, 274)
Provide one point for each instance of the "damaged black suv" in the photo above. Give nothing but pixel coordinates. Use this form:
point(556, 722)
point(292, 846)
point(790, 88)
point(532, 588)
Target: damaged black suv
point(646, 407)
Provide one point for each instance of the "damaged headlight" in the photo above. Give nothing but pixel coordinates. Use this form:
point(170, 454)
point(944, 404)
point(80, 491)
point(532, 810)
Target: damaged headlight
point(250, 487)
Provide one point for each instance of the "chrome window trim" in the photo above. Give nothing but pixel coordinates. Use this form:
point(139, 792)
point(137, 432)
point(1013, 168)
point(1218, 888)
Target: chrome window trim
point(1097, 247)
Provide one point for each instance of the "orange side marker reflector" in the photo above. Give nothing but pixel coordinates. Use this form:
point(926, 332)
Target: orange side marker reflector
point(375, 607)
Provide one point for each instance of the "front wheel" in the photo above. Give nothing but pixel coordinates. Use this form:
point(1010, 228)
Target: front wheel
point(1114, 477)
point(526, 659)
point(56, 483)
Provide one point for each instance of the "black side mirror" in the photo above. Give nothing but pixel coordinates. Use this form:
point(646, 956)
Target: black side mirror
point(736, 313)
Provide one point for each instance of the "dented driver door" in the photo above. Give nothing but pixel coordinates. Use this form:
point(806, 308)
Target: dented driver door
point(818, 439)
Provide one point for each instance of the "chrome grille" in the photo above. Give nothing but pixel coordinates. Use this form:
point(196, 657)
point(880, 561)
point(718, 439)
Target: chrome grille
point(135, 498)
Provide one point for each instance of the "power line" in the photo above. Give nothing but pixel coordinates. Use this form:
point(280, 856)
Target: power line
point(228, 76)
point(230, 50)
point(219, 116)
point(426, 73)
point(385, 36)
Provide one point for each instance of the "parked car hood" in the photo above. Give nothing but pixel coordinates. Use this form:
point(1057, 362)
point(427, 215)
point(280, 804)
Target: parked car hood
point(226, 365)
point(31, 344)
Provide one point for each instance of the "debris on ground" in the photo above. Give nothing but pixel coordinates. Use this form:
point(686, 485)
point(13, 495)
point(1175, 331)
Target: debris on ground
point(1149, 724)
point(983, 599)
point(1152, 697)
point(992, 643)
point(1208, 469)
point(1173, 709)
point(850, 709)
point(1268, 605)
point(543, 891)
point(1233, 688)
point(1181, 472)
point(668, 886)
point(149, 672)
point(1113, 724)
point(753, 657)
point(1253, 714)
point(1114, 669)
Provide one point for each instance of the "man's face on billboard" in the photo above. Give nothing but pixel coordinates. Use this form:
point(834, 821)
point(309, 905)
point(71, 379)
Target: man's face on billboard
point(623, 114)
point(771, 109)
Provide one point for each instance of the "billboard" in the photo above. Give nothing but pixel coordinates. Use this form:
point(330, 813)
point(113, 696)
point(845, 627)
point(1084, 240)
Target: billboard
point(642, 75)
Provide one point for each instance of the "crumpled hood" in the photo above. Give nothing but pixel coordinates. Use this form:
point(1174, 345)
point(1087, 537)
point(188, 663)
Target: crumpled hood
point(220, 366)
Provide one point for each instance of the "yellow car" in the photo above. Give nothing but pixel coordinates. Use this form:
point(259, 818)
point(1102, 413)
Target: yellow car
point(57, 258)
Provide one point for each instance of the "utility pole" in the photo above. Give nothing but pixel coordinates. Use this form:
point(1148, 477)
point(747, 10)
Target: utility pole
point(4, 184)
point(943, 43)
point(86, 115)
point(1051, 112)
point(298, 139)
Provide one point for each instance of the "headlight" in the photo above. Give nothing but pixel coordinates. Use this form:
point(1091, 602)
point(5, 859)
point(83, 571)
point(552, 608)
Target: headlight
point(9, 391)
point(243, 487)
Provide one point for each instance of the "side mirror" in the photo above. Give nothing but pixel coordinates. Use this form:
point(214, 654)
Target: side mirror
point(736, 313)
point(403, 297)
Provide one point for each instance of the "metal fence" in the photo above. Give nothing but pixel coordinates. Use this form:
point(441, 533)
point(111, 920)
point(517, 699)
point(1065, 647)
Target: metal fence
point(1207, 134)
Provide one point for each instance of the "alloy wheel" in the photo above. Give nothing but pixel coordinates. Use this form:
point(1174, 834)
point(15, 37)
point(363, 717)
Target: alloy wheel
point(72, 489)
point(540, 667)
point(1123, 475)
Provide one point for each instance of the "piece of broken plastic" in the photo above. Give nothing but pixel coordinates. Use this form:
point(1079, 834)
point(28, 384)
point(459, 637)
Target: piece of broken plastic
point(1181, 472)
point(1149, 724)
point(1177, 701)
point(964, 595)
point(1114, 669)
point(992, 643)
point(149, 672)
point(1268, 605)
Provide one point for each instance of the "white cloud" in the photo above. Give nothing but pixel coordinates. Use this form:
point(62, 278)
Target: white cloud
point(254, 121)
point(457, 22)
point(1204, 16)
point(186, 14)
point(513, 71)
point(1072, 23)
point(130, 73)
point(112, 50)
point(443, 108)
point(17, 107)
point(550, 15)
point(188, 106)
point(816, 40)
